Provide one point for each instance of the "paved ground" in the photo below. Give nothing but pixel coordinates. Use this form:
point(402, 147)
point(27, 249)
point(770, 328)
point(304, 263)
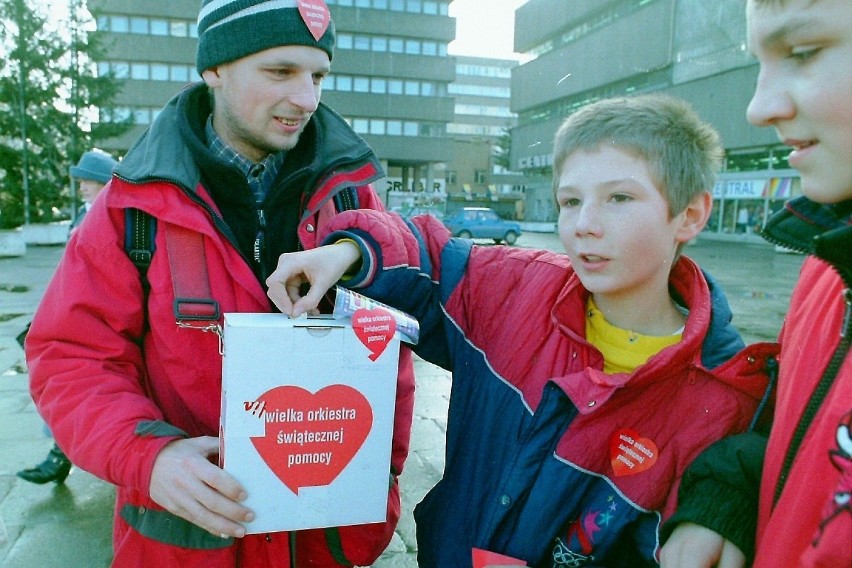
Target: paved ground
point(69, 525)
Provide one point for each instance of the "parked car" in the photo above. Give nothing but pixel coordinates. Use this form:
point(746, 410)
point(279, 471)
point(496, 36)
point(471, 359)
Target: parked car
point(411, 211)
point(482, 223)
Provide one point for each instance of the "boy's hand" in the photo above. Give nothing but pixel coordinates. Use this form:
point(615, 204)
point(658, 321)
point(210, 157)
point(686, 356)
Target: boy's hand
point(694, 546)
point(185, 483)
point(321, 267)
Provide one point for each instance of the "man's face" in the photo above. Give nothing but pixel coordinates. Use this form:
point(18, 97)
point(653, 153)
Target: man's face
point(264, 101)
point(804, 88)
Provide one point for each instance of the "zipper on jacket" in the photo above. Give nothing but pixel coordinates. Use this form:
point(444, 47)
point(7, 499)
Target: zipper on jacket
point(260, 242)
point(818, 396)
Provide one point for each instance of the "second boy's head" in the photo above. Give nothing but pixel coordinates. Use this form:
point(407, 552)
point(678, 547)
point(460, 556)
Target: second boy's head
point(632, 180)
point(804, 88)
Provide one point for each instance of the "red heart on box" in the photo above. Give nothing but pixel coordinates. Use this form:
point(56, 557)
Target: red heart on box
point(374, 328)
point(630, 454)
point(315, 15)
point(311, 438)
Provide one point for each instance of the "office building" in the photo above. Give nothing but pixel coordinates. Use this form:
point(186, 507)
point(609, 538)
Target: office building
point(585, 50)
point(481, 132)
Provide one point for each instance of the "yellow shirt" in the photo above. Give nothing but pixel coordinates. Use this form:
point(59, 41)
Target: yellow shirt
point(623, 349)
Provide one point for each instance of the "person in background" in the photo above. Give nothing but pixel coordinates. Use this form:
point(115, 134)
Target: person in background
point(92, 172)
point(246, 166)
point(786, 499)
point(583, 383)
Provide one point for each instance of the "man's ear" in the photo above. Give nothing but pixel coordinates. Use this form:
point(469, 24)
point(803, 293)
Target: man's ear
point(212, 77)
point(695, 216)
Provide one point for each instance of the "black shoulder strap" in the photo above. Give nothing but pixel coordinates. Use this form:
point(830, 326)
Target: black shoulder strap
point(140, 228)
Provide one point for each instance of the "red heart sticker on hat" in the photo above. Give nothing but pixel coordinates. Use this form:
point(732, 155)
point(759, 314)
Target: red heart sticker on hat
point(630, 453)
point(374, 328)
point(311, 438)
point(315, 15)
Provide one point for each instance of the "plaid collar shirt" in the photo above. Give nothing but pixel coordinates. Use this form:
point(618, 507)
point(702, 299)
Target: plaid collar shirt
point(260, 175)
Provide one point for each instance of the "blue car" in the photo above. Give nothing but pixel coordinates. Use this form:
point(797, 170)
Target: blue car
point(482, 223)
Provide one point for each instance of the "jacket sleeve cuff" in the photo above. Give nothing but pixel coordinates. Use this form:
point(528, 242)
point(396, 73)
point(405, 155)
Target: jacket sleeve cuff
point(365, 273)
point(723, 510)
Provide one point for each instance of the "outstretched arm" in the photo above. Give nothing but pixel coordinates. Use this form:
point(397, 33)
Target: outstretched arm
point(320, 268)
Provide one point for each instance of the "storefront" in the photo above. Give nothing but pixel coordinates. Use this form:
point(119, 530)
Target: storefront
point(742, 201)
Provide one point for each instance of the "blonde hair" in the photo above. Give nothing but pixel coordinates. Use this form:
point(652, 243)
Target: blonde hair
point(683, 152)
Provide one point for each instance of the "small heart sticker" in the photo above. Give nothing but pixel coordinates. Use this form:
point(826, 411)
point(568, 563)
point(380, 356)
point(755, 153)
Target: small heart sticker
point(315, 15)
point(630, 454)
point(311, 438)
point(374, 328)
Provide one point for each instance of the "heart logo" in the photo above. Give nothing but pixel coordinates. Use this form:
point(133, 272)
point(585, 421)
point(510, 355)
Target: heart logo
point(315, 15)
point(310, 438)
point(487, 559)
point(374, 328)
point(630, 454)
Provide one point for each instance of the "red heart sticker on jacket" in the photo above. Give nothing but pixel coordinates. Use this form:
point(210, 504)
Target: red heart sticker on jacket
point(311, 438)
point(374, 328)
point(315, 15)
point(630, 453)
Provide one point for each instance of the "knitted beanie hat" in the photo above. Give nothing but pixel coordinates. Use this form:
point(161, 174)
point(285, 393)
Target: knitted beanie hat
point(94, 165)
point(231, 29)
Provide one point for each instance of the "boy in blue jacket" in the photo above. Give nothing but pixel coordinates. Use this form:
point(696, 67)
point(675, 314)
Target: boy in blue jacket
point(583, 383)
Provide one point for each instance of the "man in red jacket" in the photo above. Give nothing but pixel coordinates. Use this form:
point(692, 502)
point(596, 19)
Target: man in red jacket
point(250, 164)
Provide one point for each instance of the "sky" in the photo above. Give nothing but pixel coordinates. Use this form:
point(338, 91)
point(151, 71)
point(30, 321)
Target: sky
point(484, 28)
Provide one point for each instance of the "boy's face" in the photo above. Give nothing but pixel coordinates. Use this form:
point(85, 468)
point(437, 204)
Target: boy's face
point(804, 88)
point(614, 224)
point(265, 100)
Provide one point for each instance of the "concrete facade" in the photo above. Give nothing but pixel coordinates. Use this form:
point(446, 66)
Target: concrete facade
point(585, 50)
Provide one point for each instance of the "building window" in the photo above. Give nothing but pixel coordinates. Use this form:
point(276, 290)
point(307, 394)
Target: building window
point(361, 85)
point(178, 29)
point(394, 127)
point(119, 24)
point(344, 41)
point(377, 127)
point(362, 43)
point(343, 83)
point(361, 125)
point(179, 73)
point(479, 176)
point(159, 72)
point(159, 27)
point(139, 25)
point(452, 177)
point(139, 71)
point(412, 47)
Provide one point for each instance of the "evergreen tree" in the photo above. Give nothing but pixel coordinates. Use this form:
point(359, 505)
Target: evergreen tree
point(502, 149)
point(48, 92)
